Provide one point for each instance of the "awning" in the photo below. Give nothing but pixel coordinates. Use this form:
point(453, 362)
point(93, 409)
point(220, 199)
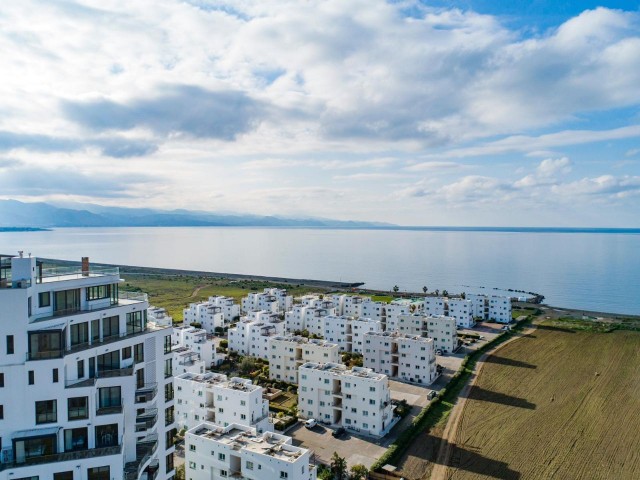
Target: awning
point(36, 432)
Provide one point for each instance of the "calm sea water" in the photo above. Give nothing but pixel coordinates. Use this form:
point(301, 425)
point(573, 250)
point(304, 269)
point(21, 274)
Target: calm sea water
point(591, 271)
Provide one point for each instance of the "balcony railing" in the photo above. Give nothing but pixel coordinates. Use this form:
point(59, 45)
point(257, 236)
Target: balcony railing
point(109, 410)
point(146, 393)
point(64, 457)
point(70, 273)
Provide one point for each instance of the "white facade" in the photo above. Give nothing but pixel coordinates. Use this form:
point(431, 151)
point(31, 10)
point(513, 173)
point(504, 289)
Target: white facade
point(357, 399)
point(75, 352)
point(273, 300)
point(294, 319)
point(186, 360)
point(496, 308)
point(237, 451)
point(441, 329)
point(435, 306)
point(373, 310)
point(217, 312)
point(462, 311)
point(358, 329)
point(251, 334)
point(286, 354)
point(393, 310)
point(337, 330)
point(199, 341)
point(410, 358)
point(214, 398)
point(348, 305)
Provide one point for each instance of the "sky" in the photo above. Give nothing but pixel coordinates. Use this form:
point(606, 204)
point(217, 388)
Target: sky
point(477, 112)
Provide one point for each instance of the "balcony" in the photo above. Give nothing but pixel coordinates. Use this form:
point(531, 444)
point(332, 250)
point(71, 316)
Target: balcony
point(110, 410)
point(146, 393)
point(146, 420)
point(64, 457)
point(58, 274)
point(144, 452)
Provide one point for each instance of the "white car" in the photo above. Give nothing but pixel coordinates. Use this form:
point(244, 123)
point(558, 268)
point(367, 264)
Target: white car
point(312, 422)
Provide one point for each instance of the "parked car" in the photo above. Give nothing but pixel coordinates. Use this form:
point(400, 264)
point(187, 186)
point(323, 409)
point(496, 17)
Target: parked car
point(338, 432)
point(311, 423)
point(438, 352)
point(431, 395)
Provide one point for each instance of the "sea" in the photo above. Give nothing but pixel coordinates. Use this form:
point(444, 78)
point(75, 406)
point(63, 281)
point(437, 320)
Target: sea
point(593, 270)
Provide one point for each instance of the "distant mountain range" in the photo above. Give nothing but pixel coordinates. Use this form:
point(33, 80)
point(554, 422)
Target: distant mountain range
point(45, 215)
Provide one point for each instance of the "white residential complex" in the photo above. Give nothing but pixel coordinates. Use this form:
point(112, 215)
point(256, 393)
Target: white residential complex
point(273, 300)
point(75, 353)
point(214, 398)
point(237, 451)
point(458, 308)
point(287, 354)
point(198, 341)
point(410, 358)
point(494, 307)
point(357, 399)
point(251, 334)
point(217, 312)
point(441, 329)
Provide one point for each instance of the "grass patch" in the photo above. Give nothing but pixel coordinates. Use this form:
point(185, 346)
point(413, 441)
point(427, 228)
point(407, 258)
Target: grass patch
point(595, 326)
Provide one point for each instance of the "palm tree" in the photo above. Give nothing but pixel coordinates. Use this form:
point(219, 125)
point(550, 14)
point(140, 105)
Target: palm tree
point(425, 289)
point(437, 292)
point(396, 288)
point(445, 293)
point(338, 467)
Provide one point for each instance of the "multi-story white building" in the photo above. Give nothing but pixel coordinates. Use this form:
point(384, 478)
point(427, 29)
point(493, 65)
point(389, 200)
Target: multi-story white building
point(462, 311)
point(286, 354)
point(214, 398)
point(75, 351)
point(441, 329)
point(186, 360)
point(496, 308)
point(373, 310)
point(410, 358)
point(337, 330)
point(435, 306)
point(347, 305)
point(357, 399)
point(215, 313)
point(271, 299)
point(251, 334)
point(393, 310)
point(237, 451)
point(308, 318)
point(359, 327)
point(199, 341)
point(294, 319)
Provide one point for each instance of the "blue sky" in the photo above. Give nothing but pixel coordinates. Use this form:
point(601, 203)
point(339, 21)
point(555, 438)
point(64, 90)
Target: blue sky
point(417, 113)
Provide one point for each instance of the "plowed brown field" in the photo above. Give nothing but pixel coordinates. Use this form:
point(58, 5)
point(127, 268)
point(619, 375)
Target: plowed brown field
point(556, 404)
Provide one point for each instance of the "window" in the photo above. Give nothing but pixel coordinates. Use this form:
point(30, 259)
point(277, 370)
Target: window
point(79, 334)
point(66, 302)
point(249, 465)
point(63, 475)
point(95, 331)
point(284, 474)
point(32, 378)
point(98, 292)
point(109, 361)
point(76, 439)
point(98, 473)
point(192, 448)
point(126, 353)
point(192, 465)
point(109, 397)
point(1, 380)
point(167, 344)
point(138, 353)
point(168, 368)
point(1, 412)
point(107, 435)
point(54, 375)
point(110, 327)
point(77, 408)
point(10, 348)
point(46, 411)
point(168, 392)
point(80, 368)
point(169, 462)
point(221, 456)
point(44, 299)
point(136, 321)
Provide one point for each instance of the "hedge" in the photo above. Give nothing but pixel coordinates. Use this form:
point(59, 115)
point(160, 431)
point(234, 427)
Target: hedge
point(442, 403)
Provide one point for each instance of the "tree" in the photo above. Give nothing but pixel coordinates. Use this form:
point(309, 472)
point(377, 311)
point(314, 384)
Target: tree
point(437, 292)
point(358, 472)
point(463, 296)
point(445, 293)
point(247, 365)
point(425, 289)
point(396, 288)
point(338, 467)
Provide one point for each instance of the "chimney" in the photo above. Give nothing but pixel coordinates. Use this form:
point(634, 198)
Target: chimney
point(85, 266)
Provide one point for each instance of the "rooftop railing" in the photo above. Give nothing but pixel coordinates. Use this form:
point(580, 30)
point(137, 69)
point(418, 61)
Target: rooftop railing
point(70, 273)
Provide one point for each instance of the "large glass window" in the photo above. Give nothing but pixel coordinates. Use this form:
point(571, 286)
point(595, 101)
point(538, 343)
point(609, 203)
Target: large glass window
point(76, 439)
point(66, 301)
point(98, 292)
point(44, 299)
point(78, 408)
point(138, 353)
point(63, 475)
point(109, 397)
point(136, 322)
point(25, 448)
point(46, 344)
point(109, 361)
point(98, 473)
point(168, 368)
point(110, 327)
point(79, 334)
point(107, 435)
point(46, 411)
point(95, 331)
point(167, 344)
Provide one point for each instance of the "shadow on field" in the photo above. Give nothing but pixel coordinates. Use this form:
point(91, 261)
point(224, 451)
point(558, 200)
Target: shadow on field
point(509, 362)
point(483, 395)
point(555, 329)
point(468, 459)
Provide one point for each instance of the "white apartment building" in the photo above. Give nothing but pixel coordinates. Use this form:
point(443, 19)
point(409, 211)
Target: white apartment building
point(435, 306)
point(441, 329)
point(237, 451)
point(216, 312)
point(198, 341)
point(359, 327)
point(251, 334)
point(460, 309)
point(314, 319)
point(186, 360)
point(214, 398)
point(373, 310)
point(159, 316)
point(294, 319)
point(348, 305)
point(337, 330)
point(393, 310)
point(287, 353)
point(357, 399)
point(495, 307)
point(308, 318)
point(410, 358)
point(273, 300)
point(74, 351)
